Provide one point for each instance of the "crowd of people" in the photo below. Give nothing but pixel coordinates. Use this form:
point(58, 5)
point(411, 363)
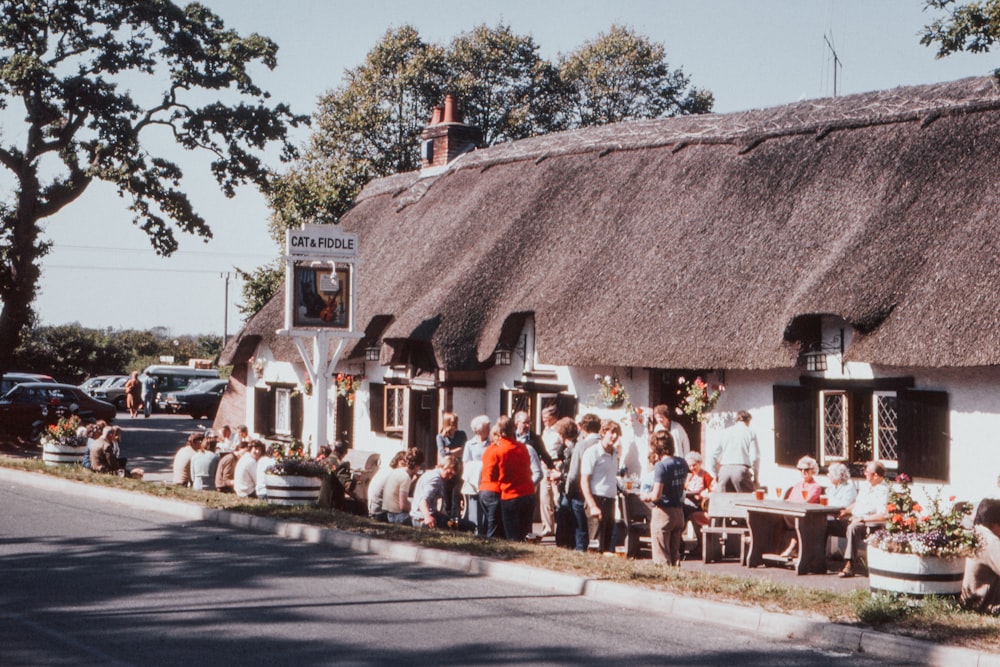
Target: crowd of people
point(572, 472)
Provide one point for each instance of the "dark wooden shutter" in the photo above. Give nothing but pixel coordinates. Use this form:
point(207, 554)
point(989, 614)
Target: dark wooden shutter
point(295, 411)
point(924, 434)
point(794, 424)
point(566, 405)
point(263, 410)
point(376, 406)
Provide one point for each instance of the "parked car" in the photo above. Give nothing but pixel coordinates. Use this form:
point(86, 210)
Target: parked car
point(91, 385)
point(30, 406)
point(11, 380)
point(198, 400)
point(113, 393)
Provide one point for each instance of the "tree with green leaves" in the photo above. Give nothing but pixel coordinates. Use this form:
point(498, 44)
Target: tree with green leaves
point(505, 88)
point(66, 64)
point(622, 76)
point(973, 27)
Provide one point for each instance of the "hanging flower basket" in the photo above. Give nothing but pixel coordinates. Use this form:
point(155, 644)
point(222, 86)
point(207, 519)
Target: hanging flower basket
point(611, 393)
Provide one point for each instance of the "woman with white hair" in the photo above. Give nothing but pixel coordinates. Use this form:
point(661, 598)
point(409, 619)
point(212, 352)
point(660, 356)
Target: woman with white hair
point(841, 492)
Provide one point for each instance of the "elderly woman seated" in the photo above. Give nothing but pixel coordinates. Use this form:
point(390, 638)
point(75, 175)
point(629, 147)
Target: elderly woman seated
point(697, 489)
point(806, 490)
point(981, 584)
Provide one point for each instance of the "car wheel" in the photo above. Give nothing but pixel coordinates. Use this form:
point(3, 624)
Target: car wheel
point(120, 403)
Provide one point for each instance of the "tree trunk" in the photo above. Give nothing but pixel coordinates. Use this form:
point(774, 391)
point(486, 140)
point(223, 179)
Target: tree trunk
point(17, 289)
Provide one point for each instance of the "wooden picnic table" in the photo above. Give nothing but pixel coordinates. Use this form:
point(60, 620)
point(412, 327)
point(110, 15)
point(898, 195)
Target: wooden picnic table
point(766, 520)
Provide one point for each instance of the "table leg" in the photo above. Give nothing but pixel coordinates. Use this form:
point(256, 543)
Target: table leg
point(762, 533)
point(811, 532)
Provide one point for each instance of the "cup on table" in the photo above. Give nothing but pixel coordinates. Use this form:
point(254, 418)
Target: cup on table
point(777, 492)
point(759, 494)
point(824, 501)
point(805, 494)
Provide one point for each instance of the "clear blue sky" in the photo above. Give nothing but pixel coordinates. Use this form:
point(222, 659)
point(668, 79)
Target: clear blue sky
point(750, 54)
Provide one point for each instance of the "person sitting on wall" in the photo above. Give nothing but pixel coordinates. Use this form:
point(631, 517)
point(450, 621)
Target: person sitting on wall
point(981, 583)
point(182, 460)
point(245, 475)
point(339, 484)
point(396, 496)
point(376, 488)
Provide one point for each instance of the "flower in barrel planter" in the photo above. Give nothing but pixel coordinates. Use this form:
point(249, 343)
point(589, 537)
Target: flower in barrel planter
point(61, 445)
point(347, 385)
point(294, 479)
point(933, 531)
point(698, 397)
point(64, 433)
point(611, 392)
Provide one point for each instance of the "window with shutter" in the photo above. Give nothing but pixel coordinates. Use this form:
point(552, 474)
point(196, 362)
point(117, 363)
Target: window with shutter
point(376, 407)
point(924, 434)
point(794, 423)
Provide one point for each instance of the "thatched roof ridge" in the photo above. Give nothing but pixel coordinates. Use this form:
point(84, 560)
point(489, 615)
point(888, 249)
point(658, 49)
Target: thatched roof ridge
point(694, 242)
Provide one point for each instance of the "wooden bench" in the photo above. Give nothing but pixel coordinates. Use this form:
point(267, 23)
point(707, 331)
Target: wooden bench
point(727, 534)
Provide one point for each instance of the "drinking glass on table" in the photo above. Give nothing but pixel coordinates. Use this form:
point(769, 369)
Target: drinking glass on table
point(777, 492)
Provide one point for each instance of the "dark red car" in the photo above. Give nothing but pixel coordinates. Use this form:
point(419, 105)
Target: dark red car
point(30, 406)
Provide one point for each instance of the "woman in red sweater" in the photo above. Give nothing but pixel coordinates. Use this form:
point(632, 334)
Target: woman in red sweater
point(513, 473)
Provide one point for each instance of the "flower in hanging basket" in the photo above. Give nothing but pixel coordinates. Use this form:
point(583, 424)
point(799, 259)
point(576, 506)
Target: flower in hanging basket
point(934, 531)
point(611, 392)
point(307, 388)
point(698, 397)
point(347, 385)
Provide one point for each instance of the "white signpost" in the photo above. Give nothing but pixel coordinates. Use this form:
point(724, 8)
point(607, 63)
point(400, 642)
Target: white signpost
point(320, 304)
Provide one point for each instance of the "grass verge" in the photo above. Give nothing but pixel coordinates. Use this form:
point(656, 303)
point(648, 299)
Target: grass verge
point(936, 619)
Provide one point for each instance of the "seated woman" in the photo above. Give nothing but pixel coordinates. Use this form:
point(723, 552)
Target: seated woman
point(981, 584)
point(806, 490)
point(697, 488)
point(841, 492)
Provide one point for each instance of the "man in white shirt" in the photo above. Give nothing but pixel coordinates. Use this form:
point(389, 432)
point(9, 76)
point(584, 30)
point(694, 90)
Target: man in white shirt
point(245, 477)
point(682, 444)
point(866, 513)
point(599, 484)
point(735, 459)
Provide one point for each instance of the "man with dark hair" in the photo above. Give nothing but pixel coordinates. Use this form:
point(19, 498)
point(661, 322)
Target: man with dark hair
point(598, 482)
point(981, 584)
point(590, 427)
point(182, 460)
point(245, 475)
point(226, 471)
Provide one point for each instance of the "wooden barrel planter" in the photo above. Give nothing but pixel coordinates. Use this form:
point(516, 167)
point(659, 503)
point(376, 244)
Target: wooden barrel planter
point(56, 453)
point(292, 489)
point(913, 574)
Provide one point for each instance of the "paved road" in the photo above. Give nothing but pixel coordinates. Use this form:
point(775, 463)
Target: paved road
point(86, 583)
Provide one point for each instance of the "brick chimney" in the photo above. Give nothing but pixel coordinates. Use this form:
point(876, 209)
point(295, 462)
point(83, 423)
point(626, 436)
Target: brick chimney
point(447, 137)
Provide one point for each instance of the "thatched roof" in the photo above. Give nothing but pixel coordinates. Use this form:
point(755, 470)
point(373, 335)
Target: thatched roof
point(696, 242)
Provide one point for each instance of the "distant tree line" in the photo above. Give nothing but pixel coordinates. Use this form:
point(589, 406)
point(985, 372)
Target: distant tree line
point(72, 353)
